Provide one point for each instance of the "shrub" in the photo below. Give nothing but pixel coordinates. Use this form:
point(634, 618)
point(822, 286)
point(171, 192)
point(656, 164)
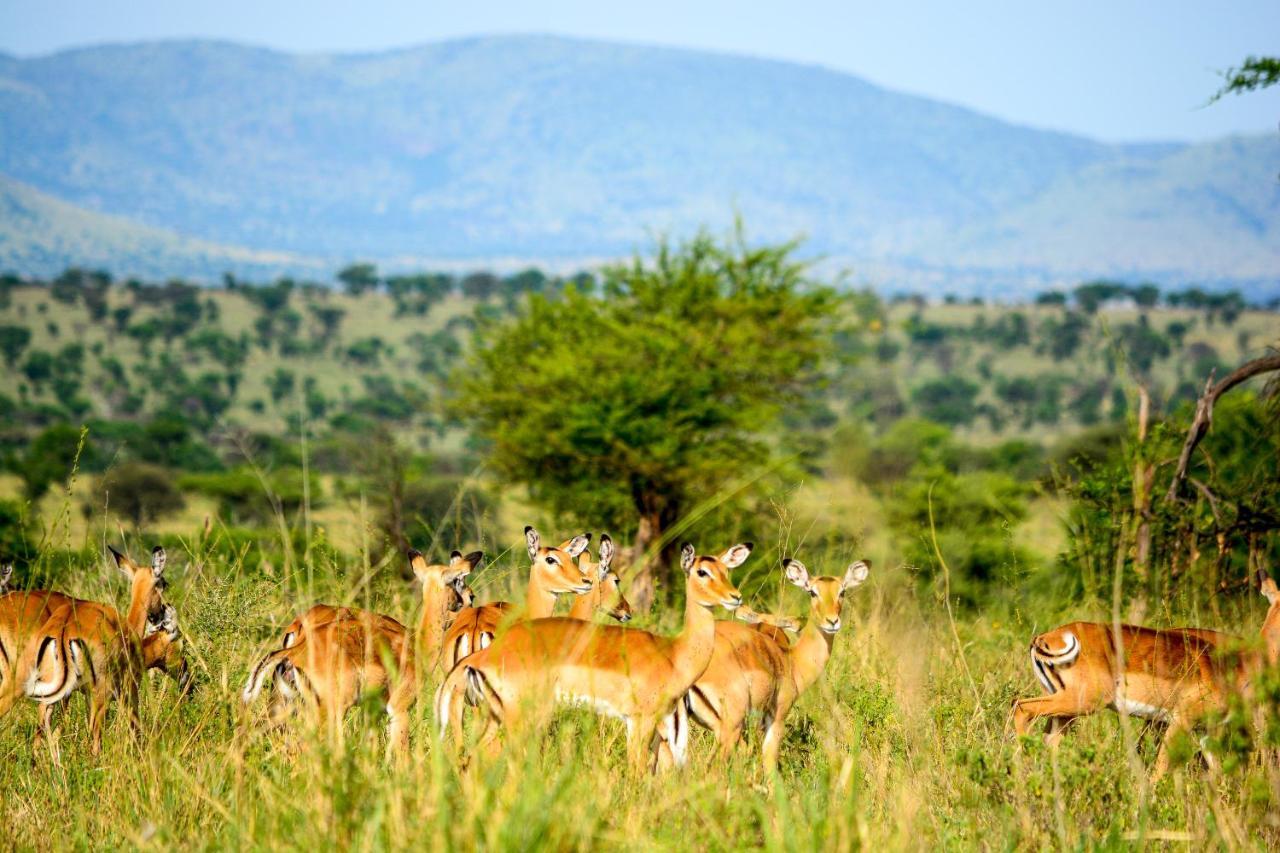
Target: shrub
point(140, 492)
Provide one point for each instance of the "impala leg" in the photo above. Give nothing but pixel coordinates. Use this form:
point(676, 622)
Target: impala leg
point(1177, 725)
point(48, 732)
point(672, 748)
point(99, 699)
point(487, 744)
point(1056, 729)
point(130, 702)
point(641, 748)
point(775, 728)
point(1062, 705)
point(729, 732)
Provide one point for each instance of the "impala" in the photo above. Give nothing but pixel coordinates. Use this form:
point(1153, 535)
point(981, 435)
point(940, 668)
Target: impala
point(331, 664)
point(52, 644)
point(332, 654)
point(606, 593)
point(631, 674)
point(754, 669)
point(1175, 676)
point(552, 573)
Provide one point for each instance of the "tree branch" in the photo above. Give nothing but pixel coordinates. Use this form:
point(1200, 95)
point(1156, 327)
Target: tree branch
point(1204, 412)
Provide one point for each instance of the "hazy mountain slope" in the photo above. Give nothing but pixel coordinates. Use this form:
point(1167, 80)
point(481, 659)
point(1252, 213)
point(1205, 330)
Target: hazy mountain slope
point(42, 235)
point(545, 147)
point(1208, 212)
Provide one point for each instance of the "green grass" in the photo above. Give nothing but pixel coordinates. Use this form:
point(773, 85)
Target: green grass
point(904, 744)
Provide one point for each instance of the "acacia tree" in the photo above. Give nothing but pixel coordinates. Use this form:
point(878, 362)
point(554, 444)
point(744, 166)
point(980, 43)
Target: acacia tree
point(630, 408)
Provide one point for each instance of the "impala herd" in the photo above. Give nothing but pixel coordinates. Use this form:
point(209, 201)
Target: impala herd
point(512, 665)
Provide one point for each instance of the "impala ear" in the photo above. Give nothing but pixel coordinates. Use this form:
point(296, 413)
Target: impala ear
point(460, 566)
point(158, 559)
point(737, 555)
point(575, 546)
point(606, 554)
point(122, 562)
point(6, 572)
point(855, 574)
point(532, 541)
point(687, 555)
point(795, 572)
point(1268, 587)
point(418, 563)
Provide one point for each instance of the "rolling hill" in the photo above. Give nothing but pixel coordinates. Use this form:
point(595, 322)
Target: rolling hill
point(41, 235)
point(556, 149)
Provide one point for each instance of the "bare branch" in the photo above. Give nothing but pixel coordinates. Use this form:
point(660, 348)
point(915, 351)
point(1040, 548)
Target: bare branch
point(1204, 412)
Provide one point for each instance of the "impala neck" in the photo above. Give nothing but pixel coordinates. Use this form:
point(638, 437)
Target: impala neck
point(584, 606)
point(435, 612)
point(539, 602)
point(809, 654)
point(1271, 635)
point(136, 619)
point(691, 652)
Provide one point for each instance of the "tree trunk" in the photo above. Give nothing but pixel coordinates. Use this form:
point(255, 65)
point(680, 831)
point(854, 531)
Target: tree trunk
point(647, 564)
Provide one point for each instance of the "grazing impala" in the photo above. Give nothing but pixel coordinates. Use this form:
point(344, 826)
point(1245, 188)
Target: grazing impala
point(752, 669)
point(1175, 676)
point(52, 644)
point(332, 654)
point(331, 664)
point(634, 675)
point(606, 593)
point(552, 573)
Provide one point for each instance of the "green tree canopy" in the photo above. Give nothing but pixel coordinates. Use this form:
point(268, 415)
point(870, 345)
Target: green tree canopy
point(630, 408)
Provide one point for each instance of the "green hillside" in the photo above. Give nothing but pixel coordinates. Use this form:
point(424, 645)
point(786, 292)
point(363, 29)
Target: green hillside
point(252, 356)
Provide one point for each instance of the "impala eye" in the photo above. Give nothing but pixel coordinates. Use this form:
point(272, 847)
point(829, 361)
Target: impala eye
point(703, 573)
point(553, 561)
point(813, 593)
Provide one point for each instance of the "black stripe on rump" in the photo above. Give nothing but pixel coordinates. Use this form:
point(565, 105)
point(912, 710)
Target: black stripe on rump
point(696, 692)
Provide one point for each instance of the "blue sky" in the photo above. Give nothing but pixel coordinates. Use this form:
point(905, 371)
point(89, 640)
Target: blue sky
point(1113, 70)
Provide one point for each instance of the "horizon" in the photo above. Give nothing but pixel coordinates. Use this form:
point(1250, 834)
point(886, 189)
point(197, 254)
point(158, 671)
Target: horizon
point(1117, 76)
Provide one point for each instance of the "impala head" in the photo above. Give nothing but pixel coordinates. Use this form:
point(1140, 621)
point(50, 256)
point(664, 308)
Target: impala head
point(448, 579)
point(826, 594)
point(147, 583)
point(6, 575)
point(1271, 625)
point(608, 584)
point(709, 583)
point(555, 568)
point(173, 662)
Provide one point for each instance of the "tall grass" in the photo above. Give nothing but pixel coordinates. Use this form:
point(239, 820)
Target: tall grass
point(897, 747)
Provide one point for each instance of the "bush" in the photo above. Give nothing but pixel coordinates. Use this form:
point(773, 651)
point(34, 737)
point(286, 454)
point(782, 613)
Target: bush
point(17, 541)
point(140, 492)
point(48, 460)
point(973, 515)
point(949, 401)
point(242, 497)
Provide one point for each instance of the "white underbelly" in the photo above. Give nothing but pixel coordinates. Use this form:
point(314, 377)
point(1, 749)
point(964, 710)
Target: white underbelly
point(1134, 708)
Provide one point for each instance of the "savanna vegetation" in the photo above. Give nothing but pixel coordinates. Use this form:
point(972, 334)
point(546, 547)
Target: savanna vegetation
point(1005, 468)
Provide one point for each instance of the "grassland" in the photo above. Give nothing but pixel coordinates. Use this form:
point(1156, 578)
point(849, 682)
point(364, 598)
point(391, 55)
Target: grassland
point(904, 744)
